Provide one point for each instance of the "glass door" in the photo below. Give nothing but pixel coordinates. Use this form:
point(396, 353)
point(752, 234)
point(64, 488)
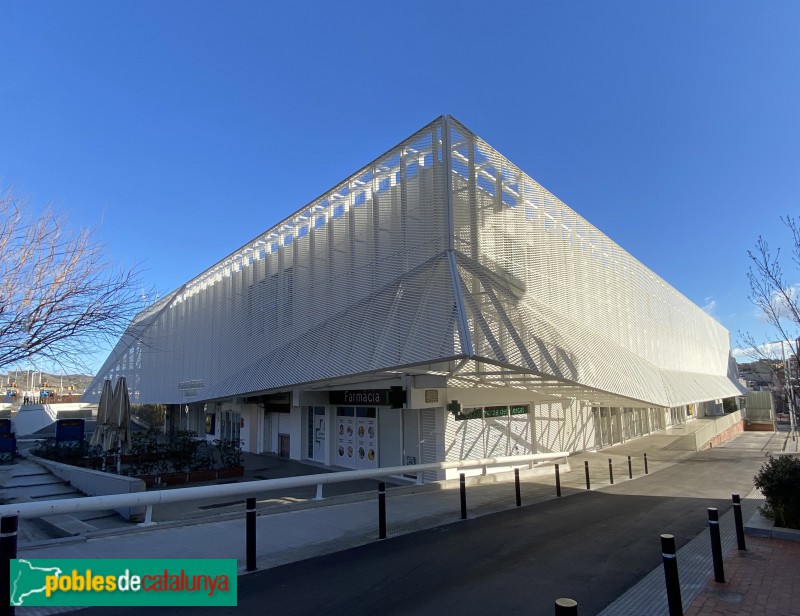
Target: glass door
point(316, 440)
point(230, 428)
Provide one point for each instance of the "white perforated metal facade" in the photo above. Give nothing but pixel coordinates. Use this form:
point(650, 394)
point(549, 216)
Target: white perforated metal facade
point(440, 255)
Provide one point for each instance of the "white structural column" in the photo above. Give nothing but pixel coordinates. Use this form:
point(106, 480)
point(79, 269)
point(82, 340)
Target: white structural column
point(465, 335)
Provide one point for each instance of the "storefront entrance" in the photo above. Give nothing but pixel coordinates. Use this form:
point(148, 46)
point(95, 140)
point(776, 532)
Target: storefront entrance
point(284, 448)
point(316, 437)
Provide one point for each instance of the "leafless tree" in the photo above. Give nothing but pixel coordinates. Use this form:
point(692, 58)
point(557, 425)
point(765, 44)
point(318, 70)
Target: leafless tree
point(778, 300)
point(60, 298)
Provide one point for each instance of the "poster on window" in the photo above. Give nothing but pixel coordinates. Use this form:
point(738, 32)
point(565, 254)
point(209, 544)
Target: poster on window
point(340, 440)
point(345, 442)
point(367, 442)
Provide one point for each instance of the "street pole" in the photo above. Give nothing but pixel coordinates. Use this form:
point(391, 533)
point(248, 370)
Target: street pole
point(791, 382)
point(789, 391)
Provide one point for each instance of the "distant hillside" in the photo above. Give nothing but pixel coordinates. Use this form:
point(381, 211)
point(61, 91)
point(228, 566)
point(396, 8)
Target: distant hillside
point(33, 380)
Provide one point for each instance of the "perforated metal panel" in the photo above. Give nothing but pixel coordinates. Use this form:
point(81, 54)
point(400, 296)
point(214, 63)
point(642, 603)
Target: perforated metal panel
point(429, 444)
point(440, 250)
point(547, 292)
point(466, 440)
point(549, 426)
point(580, 427)
point(359, 280)
point(519, 435)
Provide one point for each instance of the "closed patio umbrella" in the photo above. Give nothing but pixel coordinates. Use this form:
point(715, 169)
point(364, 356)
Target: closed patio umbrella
point(119, 433)
point(124, 414)
point(103, 414)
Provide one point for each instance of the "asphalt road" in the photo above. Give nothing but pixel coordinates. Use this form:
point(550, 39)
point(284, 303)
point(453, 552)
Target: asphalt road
point(591, 547)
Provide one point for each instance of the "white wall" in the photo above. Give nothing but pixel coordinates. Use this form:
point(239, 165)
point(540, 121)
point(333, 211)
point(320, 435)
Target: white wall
point(390, 437)
point(296, 431)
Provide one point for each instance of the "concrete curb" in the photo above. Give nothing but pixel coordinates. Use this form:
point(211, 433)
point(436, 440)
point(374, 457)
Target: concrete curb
point(759, 525)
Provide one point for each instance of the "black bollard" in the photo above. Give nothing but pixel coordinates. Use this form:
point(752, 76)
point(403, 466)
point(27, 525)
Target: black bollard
point(671, 575)
point(586, 470)
point(610, 471)
point(558, 481)
point(645, 464)
point(382, 510)
point(737, 516)
point(516, 486)
point(463, 484)
point(630, 468)
point(566, 607)
point(251, 533)
point(8, 551)
point(716, 544)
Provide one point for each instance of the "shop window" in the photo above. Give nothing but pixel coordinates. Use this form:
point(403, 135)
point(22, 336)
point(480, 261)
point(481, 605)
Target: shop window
point(230, 426)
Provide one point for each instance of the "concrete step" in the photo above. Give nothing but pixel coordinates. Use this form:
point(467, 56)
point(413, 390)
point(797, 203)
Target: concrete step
point(50, 490)
point(21, 466)
point(23, 481)
point(90, 516)
point(66, 525)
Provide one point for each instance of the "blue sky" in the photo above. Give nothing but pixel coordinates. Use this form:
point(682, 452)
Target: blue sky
point(182, 129)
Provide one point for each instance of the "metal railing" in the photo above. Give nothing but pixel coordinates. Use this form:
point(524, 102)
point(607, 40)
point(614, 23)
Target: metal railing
point(153, 498)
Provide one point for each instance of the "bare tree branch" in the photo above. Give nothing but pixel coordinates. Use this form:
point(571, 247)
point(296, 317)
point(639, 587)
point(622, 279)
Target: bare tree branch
point(59, 296)
point(777, 298)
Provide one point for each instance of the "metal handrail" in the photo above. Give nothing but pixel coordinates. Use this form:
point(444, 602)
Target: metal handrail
point(150, 499)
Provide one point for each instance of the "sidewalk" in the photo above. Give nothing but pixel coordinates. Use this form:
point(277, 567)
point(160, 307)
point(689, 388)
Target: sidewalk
point(761, 580)
point(347, 516)
point(301, 529)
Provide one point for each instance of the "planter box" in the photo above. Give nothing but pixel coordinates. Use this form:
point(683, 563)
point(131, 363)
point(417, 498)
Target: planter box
point(173, 478)
point(130, 458)
point(149, 480)
point(204, 475)
point(231, 471)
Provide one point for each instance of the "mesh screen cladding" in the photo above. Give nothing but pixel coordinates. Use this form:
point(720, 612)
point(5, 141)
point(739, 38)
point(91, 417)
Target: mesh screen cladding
point(440, 249)
point(546, 291)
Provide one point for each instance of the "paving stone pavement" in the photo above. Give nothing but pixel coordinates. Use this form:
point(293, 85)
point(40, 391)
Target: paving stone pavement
point(761, 580)
point(649, 596)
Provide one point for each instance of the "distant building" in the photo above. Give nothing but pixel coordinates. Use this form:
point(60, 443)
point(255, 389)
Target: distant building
point(760, 375)
point(437, 304)
point(770, 375)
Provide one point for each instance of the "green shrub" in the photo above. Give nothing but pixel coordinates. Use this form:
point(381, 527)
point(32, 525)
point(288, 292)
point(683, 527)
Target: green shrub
point(779, 482)
point(230, 452)
point(60, 452)
point(94, 457)
point(146, 452)
point(182, 450)
point(202, 458)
